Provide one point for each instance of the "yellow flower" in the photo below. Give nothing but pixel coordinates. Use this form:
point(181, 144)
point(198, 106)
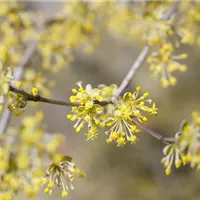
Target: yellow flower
point(35, 91)
point(64, 193)
point(168, 171)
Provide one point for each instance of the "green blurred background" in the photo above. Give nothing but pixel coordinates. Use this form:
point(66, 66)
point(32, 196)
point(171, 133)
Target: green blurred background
point(133, 172)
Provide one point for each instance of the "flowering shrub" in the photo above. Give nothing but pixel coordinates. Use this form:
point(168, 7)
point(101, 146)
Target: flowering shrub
point(29, 157)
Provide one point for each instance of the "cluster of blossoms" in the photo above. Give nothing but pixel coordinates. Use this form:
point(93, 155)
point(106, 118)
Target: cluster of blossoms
point(61, 174)
point(122, 126)
point(187, 28)
point(140, 19)
point(89, 110)
point(185, 150)
point(17, 103)
point(73, 27)
point(16, 30)
point(24, 157)
point(163, 63)
point(147, 20)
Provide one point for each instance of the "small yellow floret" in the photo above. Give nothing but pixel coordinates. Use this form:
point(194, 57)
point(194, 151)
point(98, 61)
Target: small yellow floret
point(121, 141)
point(183, 68)
point(69, 116)
point(172, 80)
point(47, 191)
point(133, 139)
point(64, 193)
point(138, 88)
point(115, 135)
point(168, 171)
point(80, 173)
point(74, 90)
point(146, 94)
point(141, 103)
point(186, 159)
point(109, 140)
point(34, 91)
point(144, 119)
point(51, 185)
point(165, 82)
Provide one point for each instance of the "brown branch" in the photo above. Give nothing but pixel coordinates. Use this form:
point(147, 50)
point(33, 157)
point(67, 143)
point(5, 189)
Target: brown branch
point(139, 61)
point(38, 98)
point(165, 140)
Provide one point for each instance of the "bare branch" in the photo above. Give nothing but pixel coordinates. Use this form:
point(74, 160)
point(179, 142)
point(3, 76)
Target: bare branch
point(142, 56)
point(165, 140)
point(38, 98)
point(127, 79)
point(171, 11)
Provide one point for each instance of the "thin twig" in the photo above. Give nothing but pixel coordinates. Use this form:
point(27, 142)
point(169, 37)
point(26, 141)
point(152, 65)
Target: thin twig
point(141, 58)
point(171, 11)
point(127, 79)
point(165, 140)
point(38, 98)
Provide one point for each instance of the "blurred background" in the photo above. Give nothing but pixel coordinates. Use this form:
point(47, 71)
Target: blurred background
point(133, 172)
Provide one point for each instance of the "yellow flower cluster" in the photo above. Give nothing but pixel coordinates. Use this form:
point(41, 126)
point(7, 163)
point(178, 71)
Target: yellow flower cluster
point(24, 156)
point(61, 174)
point(164, 36)
point(17, 103)
point(123, 128)
point(172, 155)
point(157, 30)
point(16, 29)
point(185, 150)
point(140, 20)
point(118, 117)
point(187, 28)
point(163, 63)
point(73, 27)
point(88, 110)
